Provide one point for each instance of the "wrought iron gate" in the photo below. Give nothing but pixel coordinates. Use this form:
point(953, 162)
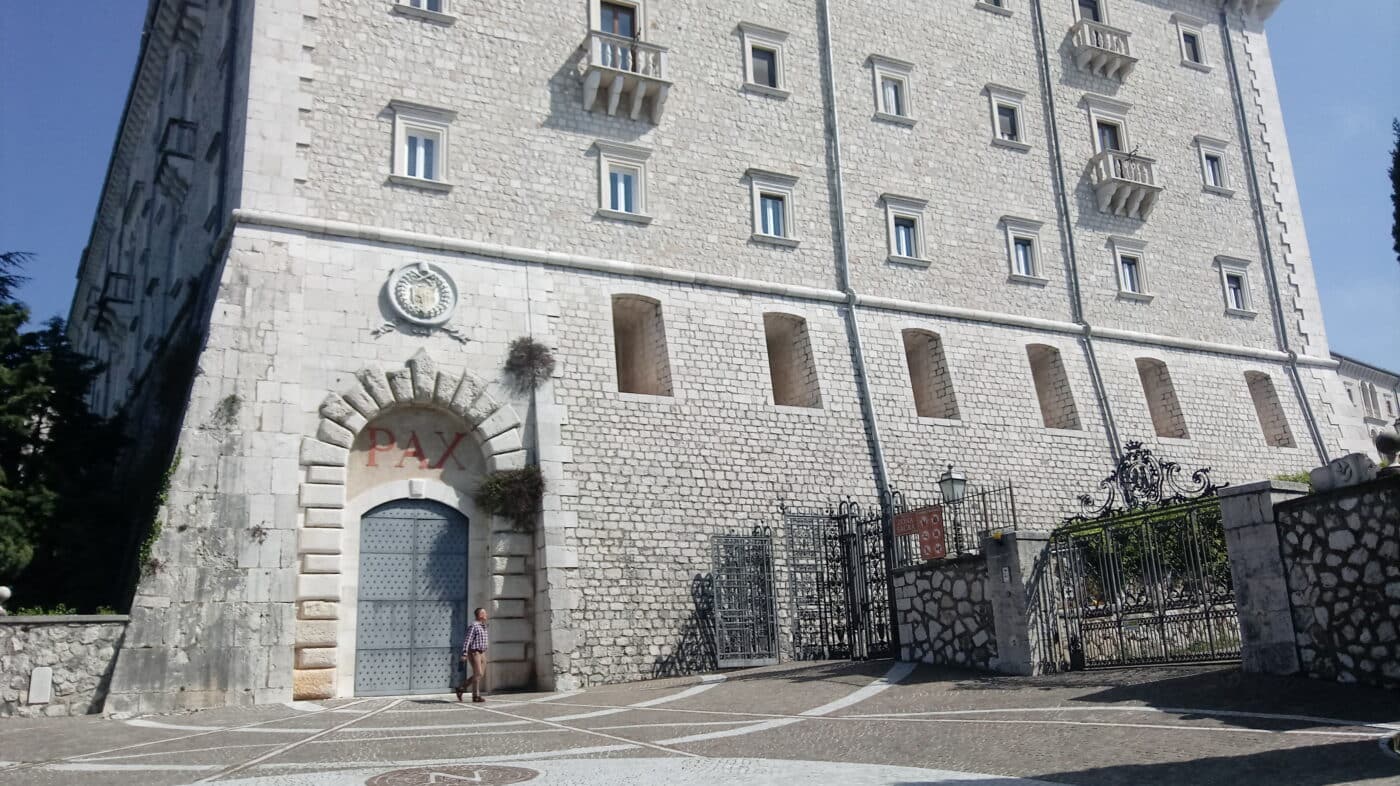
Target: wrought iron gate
point(746, 622)
point(1146, 578)
point(840, 583)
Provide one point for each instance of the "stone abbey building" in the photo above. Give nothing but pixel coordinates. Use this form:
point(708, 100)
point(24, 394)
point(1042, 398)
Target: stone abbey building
point(778, 255)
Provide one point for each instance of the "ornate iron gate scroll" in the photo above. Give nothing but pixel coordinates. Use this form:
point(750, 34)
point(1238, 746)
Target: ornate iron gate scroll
point(839, 582)
point(1144, 577)
point(746, 622)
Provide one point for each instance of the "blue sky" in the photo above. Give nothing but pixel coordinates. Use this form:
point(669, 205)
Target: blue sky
point(1336, 62)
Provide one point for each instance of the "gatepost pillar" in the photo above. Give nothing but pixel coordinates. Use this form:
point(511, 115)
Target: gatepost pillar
point(1261, 589)
point(1014, 562)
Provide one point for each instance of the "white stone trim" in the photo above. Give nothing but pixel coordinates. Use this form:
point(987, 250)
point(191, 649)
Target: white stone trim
point(1001, 95)
point(911, 208)
point(1240, 267)
point(632, 157)
point(1206, 145)
point(1002, 10)
point(752, 35)
point(443, 17)
point(595, 15)
point(420, 240)
point(764, 181)
point(1110, 111)
point(328, 569)
point(410, 116)
point(1028, 229)
point(901, 71)
point(1120, 246)
point(1185, 23)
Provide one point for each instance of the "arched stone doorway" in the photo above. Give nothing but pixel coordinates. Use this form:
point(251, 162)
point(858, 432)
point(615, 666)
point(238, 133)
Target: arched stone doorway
point(420, 435)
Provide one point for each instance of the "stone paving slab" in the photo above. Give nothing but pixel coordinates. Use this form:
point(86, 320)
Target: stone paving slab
point(798, 724)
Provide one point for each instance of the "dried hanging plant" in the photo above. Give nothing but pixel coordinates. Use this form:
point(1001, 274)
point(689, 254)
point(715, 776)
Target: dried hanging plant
point(513, 493)
point(528, 363)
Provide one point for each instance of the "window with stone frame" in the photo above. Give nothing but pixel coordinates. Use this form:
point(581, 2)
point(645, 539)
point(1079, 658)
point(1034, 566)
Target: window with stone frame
point(439, 11)
point(765, 59)
point(1272, 419)
point(639, 344)
point(1052, 388)
point(1190, 32)
point(421, 145)
point(791, 366)
point(929, 377)
point(1008, 116)
point(893, 89)
point(1168, 418)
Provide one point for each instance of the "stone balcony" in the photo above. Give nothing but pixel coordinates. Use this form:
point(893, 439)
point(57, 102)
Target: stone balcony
point(1103, 50)
point(623, 72)
point(1124, 184)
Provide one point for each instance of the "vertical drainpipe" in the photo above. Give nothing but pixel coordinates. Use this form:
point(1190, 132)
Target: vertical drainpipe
point(843, 269)
point(1266, 246)
point(1067, 228)
point(867, 404)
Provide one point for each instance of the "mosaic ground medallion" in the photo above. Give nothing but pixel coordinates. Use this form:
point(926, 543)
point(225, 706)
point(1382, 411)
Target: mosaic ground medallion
point(479, 774)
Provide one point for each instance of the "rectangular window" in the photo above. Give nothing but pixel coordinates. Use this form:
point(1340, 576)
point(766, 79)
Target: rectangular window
point(1025, 257)
point(1089, 9)
point(622, 182)
point(765, 67)
point(1191, 46)
point(1234, 291)
point(427, 5)
point(1110, 136)
point(622, 188)
point(893, 91)
point(773, 213)
point(618, 19)
point(906, 237)
point(421, 156)
point(1215, 171)
point(1131, 273)
point(1008, 124)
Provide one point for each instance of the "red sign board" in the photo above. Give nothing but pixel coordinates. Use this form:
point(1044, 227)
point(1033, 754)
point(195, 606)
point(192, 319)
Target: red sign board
point(927, 524)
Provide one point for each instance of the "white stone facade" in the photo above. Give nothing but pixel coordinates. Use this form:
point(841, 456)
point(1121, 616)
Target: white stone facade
point(301, 351)
point(1375, 394)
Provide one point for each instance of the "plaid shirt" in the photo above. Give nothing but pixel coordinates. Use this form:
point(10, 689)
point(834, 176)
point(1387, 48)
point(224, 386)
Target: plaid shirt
point(477, 640)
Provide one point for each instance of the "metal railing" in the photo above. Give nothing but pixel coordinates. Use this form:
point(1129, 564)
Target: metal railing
point(964, 524)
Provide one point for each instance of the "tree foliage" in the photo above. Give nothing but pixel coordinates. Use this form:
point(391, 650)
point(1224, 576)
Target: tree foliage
point(1395, 186)
point(56, 458)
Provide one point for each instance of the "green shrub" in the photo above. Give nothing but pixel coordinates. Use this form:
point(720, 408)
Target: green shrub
point(512, 493)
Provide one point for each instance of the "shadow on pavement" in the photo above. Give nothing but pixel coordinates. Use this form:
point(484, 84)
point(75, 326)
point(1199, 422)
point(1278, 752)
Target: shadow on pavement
point(1314, 765)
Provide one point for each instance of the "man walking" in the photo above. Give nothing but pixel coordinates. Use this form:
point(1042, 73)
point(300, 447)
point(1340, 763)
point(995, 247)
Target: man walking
point(474, 655)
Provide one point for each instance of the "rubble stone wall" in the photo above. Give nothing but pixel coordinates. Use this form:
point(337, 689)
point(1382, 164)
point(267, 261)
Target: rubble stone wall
point(1341, 553)
point(945, 616)
point(80, 650)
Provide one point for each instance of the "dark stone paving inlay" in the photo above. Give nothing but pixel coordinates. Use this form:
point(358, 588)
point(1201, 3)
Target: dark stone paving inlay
point(482, 774)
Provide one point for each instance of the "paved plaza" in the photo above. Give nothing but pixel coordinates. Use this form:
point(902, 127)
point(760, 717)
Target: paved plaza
point(839, 723)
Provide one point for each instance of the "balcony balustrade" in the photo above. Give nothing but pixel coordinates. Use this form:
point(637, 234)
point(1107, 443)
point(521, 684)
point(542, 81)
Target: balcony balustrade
point(618, 66)
point(1102, 50)
point(1124, 184)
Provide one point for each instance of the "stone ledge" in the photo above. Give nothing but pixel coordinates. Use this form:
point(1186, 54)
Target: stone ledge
point(1262, 486)
point(66, 619)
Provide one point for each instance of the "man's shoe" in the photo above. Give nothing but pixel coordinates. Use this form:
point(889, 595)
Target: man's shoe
point(478, 698)
point(458, 691)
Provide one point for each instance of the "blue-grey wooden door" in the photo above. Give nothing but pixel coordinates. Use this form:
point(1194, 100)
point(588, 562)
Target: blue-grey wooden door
point(412, 606)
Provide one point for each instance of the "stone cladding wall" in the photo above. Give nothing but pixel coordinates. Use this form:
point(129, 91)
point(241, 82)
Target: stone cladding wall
point(81, 651)
point(1341, 554)
point(944, 614)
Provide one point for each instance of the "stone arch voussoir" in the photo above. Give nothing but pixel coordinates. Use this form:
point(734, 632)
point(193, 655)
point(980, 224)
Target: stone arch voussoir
point(325, 459)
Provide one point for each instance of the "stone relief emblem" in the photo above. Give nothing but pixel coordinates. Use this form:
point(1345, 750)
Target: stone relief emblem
point(423, 297)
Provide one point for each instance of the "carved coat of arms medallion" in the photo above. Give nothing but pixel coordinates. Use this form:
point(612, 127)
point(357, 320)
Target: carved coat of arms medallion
point(424, 296)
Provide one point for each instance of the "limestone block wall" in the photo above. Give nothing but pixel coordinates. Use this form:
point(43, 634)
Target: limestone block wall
point(78, 652)
point(1341, 553)
point(945, 615)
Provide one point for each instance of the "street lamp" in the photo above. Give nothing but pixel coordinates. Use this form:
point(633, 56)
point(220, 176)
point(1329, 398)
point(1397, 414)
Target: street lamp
point(953, 484)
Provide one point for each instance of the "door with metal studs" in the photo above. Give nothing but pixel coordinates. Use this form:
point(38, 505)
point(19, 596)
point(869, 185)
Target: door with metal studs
point(412, 605)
